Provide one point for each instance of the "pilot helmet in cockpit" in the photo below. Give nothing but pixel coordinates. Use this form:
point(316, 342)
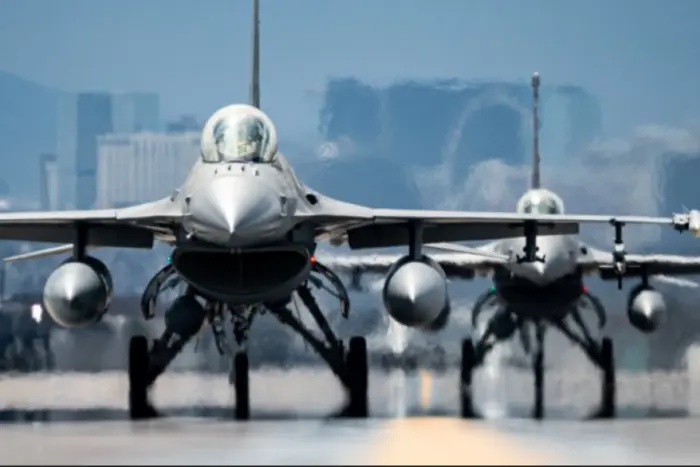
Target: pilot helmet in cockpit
point(241, 139)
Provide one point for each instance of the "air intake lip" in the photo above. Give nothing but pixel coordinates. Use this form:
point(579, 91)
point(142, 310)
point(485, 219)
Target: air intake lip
point(240, 272)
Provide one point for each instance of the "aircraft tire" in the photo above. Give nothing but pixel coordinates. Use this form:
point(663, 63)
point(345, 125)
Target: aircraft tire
point(609, 380)
point(242, 385)
point(358, 371)
point(139, 407)
point(467, 365)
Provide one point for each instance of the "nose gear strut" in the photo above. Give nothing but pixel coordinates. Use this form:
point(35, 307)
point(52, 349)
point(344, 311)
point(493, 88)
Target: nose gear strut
point(530, 249)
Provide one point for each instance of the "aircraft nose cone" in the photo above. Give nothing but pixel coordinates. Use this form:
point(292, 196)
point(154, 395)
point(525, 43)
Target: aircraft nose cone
point(558, 260)
point(234, 209)
point(538, 268)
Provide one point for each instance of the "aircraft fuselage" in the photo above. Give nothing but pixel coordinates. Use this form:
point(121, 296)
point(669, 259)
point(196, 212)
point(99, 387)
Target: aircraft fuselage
point(239, 205)
point(552, 286)
point(240, 244)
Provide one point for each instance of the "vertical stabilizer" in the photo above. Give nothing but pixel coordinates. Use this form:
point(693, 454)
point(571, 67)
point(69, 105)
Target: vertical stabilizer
point(255, 77)
point(535, 180)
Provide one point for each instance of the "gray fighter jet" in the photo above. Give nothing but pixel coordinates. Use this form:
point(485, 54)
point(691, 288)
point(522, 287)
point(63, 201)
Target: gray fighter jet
point(548, 291)
point(244, 232)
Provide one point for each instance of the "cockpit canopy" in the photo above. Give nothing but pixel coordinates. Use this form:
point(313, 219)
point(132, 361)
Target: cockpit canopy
point(540, 202)
point(239, 133)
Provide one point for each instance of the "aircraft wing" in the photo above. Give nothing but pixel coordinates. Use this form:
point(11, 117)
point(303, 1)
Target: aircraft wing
point(363, 227)
point(134, 227)
point(472, 262)
point(601, 262)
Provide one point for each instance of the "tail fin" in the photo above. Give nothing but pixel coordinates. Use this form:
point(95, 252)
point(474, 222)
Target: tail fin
point(255, 77)
point(535, 180)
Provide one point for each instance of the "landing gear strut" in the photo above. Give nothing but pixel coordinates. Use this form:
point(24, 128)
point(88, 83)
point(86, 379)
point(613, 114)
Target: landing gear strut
point(538, 371)
point(351, 366)
point(607, 364)
point(619, 253)
point(185, 318)
point(601, 354)
point(530, 249)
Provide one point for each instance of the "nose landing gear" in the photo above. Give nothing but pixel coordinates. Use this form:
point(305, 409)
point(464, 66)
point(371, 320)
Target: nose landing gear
point(186, 316)
point(599, 353)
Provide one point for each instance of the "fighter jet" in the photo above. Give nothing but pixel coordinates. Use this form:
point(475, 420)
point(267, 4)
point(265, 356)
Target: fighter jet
point(244, 231)
point(547, 292)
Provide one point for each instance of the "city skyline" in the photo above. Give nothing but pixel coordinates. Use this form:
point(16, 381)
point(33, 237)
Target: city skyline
point(177, 52)
point(96, 114)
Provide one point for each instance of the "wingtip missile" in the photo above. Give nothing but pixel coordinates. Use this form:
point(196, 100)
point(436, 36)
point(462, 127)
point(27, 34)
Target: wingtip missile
point(39, 253)
point(57, 250)
point(688, 221)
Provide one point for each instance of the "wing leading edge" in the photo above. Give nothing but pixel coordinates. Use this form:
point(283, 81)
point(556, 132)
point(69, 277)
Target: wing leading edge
point(463, 264)
point(133, 227)
point(640, 264)
point(469, 262)
point(364, 227)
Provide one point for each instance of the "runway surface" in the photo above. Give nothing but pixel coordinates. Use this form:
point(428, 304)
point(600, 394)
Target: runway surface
point(84, 422)
point(411, 441)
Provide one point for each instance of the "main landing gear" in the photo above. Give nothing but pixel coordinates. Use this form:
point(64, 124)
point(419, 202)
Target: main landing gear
point(187, 315)
point(504, 325)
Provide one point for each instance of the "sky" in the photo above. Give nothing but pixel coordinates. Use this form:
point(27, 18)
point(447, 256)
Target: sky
point(638, 57)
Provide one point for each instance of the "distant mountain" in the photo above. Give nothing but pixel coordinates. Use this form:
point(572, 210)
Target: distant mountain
point(29, 114)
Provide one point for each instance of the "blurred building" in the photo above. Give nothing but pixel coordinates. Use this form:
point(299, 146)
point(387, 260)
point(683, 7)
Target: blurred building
point(48, 182)
point(139, 167)
point(386, 134)
point(28, 128)
point(135, 112)
point(184, 124)
point(93, 120)
point(427, 122)
point(100, 114)
point(66, 148)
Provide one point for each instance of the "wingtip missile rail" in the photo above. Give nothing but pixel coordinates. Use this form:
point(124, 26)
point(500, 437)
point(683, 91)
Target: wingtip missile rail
point(689, 220)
